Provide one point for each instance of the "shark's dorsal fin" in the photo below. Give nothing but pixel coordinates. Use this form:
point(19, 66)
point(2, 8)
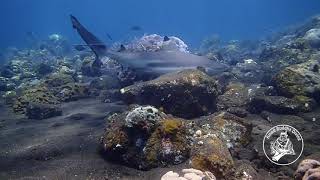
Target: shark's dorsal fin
point(97, 46)
point(166, 38)
point(122, 48)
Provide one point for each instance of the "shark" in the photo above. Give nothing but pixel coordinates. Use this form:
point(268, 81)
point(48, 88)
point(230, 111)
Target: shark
point(157, 63)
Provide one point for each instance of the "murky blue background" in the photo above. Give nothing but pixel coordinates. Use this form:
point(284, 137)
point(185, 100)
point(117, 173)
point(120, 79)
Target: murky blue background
point(191, 20)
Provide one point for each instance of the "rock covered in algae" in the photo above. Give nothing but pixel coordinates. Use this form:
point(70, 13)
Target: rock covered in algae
point(236, 95)
point(58, 79)
point(42, 111)
point(280, 104)
point(38, 94)
point(213, 155)
point(232, 130)
point(186, 94)
point(145, 140)
point(302, 79)
point(71, 92)
point(168, 144)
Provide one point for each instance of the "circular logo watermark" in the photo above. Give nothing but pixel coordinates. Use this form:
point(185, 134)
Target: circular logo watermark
point(283, 145)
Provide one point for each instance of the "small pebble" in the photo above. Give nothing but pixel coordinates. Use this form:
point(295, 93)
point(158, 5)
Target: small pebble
point(198, 133)
point(200, 142)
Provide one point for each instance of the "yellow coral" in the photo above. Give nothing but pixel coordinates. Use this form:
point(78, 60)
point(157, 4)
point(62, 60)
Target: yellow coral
point(171, 126)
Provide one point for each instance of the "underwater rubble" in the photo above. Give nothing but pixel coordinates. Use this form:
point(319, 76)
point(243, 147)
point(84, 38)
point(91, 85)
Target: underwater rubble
point(212, 125)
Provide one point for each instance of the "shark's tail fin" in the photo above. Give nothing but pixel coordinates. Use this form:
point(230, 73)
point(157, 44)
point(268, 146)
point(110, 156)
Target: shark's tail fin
point(97, 46)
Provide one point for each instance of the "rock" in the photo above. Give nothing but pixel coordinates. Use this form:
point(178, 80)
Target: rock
point(105, 82)
point(168, 144)
point(236, 95)
point(240, 112)
point(71, 92)
point(232, 130)
point(299, 80)
point(56, 80)
point(43, 69)
point(308, 169)
point(213, 156)
point(313, 38)
point(145, 138)
point(277, 104)
point(10, 97)
point(66, 70)
point(42, 111)
point(6, 72)
point(248, 71)
point(39, 94)
point(87, 69)
point(245, 171)
point(187, 93)
point(3, 86)
point(111, 95)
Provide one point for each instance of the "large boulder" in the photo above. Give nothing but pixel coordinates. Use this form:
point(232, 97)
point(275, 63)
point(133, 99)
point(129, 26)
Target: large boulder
point(187, 93)
point(145, 138)
point(38, 94)
point(232, 130)
point(302, 79)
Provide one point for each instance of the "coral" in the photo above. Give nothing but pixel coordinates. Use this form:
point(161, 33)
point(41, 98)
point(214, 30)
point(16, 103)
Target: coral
point(308, 169)
point(191, 174)
point(313, 37)
point(171, 126)
point(156, 42)
point(145, 117)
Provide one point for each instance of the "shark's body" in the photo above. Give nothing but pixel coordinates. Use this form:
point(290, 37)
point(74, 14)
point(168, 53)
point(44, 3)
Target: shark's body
point(158, 62)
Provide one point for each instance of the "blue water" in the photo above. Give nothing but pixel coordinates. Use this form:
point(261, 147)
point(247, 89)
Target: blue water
point(192, 20)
